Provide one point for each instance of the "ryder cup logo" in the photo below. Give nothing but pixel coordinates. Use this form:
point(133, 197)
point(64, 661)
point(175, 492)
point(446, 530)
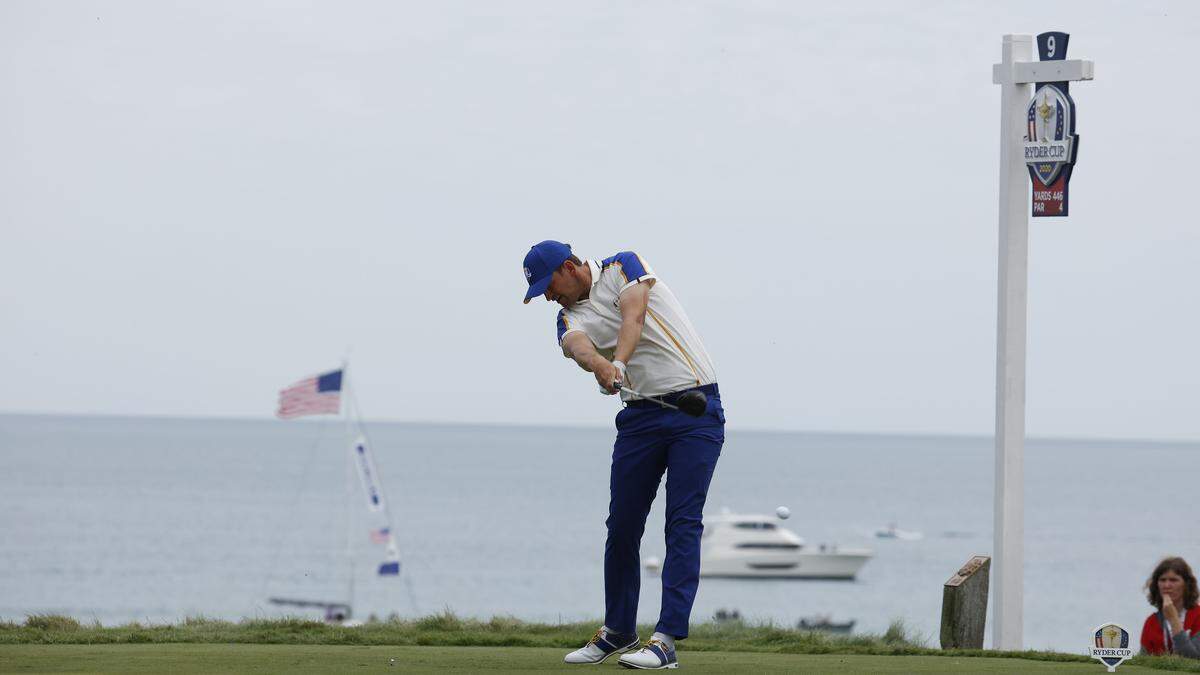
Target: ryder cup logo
point(1049, 143)
point(1110, 644)
point(528, 274)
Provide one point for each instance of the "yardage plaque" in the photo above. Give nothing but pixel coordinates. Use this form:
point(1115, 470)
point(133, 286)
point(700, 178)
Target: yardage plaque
point(1050, 141)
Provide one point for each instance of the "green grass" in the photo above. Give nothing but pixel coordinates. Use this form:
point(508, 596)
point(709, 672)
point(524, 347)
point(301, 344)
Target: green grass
point(51, 643)
point(444, 629)
point(299, 659)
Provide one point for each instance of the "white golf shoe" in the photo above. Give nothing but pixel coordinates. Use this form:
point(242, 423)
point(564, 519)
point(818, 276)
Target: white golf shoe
point(603, 644)
point(654, 655)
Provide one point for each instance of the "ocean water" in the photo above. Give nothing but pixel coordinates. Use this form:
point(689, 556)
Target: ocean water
point(154, 520)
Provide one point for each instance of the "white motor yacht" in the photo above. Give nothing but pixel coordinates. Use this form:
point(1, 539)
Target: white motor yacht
point(755, 546)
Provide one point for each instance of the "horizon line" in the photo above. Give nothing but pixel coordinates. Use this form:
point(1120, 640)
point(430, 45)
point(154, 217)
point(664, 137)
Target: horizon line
point(527, 425)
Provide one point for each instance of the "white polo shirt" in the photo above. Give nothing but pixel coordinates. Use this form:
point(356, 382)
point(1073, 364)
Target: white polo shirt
point(669, 357)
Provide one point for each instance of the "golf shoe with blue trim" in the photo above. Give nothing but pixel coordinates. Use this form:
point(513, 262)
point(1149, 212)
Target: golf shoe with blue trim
point(603, 644)
point(654, 655)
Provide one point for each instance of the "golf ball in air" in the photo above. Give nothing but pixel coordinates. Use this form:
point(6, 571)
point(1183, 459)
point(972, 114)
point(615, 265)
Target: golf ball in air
point(783, 512)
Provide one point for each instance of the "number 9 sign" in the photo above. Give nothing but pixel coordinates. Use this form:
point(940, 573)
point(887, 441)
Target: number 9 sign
point(1052, 46)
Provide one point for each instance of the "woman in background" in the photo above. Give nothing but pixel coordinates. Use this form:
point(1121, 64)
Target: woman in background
point(1172, 629)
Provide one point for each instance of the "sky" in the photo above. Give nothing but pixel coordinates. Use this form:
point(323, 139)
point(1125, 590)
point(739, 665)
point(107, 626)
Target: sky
point(201, 203)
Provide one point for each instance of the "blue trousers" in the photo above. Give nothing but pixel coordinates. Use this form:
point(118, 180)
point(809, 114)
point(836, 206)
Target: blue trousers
point(649, 442)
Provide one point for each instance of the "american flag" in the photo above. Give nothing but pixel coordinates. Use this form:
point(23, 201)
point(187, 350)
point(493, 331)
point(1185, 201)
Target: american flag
point(316, 395)
point(381, 535)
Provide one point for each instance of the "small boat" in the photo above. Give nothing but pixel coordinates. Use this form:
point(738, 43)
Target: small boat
point(336, 613)
point(892, 532)
point(755, 547)
point(825, 624)
point(723, 615)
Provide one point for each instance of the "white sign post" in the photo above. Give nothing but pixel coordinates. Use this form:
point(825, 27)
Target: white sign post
point(1015, 74)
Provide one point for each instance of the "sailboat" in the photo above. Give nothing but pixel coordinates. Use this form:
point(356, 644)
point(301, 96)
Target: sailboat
point(322, 395)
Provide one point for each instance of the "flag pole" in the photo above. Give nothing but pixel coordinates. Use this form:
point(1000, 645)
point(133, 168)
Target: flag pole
point(391, 564)
point(346, 402)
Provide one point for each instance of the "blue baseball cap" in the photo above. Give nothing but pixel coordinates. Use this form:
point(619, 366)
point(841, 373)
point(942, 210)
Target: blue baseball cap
point(541, 261)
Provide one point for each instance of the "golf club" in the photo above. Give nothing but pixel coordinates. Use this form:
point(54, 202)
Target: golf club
point(692, 403)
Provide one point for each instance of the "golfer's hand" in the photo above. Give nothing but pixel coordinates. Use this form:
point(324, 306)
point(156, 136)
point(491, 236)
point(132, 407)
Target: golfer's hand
point(606, 374)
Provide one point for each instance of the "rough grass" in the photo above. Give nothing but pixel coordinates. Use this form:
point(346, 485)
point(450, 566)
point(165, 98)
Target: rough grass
point(448, 630)
point(51, 623)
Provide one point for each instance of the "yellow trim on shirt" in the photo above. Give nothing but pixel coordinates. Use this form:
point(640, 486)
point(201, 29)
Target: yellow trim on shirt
point(678, 346)
point(645, 268)
point(566, 328)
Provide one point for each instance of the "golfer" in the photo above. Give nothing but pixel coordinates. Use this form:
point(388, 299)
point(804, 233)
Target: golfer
point(622, 324)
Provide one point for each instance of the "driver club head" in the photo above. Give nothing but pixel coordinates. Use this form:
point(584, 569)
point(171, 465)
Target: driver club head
point(693, 403)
